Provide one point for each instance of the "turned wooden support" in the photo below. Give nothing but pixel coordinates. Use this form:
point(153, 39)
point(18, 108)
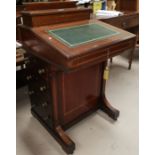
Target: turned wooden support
point(131, 58)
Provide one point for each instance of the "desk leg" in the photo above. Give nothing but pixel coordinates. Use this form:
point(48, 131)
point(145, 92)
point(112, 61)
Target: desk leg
point(109, 109)
point(105, 105)
point(131, 58)
point(111, 60)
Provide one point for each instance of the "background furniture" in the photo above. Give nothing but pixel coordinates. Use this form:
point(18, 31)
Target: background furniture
point(128, 21)
point(127, 5)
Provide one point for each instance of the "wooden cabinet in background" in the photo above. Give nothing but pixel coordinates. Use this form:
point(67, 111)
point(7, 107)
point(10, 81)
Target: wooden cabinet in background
point(128, 5)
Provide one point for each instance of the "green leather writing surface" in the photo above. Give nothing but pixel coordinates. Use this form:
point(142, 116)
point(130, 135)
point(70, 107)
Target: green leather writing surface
point(77, 35)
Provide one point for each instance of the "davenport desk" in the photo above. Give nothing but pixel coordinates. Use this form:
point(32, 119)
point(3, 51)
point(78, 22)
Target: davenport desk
point(66, 78)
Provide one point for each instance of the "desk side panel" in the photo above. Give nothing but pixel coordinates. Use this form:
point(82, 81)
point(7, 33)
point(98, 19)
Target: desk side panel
point(78, 92)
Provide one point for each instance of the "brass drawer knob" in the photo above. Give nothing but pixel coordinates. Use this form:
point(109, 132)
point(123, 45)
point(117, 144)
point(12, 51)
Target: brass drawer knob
point(124, 24)
point(27, 62)
point(31, 92)
point(42, 88)
point(41, 71)
point(44, 104)
point(28, 77)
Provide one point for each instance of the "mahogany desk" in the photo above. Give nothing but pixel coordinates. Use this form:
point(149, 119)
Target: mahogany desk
point(66, 78)
point(128, 21)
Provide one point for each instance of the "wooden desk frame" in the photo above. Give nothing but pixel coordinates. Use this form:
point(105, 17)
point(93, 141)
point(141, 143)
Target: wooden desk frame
point(58, 68)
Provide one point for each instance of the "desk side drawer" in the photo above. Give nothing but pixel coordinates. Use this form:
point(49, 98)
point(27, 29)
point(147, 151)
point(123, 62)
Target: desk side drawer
point(132, 22)
point(129, 22)
point(101, 55)
point(119, 48)
point(123, 22)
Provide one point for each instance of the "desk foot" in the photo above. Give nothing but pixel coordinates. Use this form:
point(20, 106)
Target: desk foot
point(58, 133)
point(66, 143)
point(109, 109)
point(130, 63)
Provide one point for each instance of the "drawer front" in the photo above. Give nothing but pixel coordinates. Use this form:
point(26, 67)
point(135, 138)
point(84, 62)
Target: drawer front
point(123, 22)
point(40, 88)
point(129, 22)
point(119, 48)
point(40, 98)
point(42, 108)
point(132, 22)
point(101, 55)
point(90, 58)
point(114, 22)
point(36, 70)
point(39, 91)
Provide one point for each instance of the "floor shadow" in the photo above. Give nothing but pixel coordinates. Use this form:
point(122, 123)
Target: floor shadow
point(22, 98)
point(119, 67)
point(105, 116)
point(37, 145)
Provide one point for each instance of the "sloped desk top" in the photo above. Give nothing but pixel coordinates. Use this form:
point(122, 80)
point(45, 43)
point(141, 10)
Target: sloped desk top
point(93, 45)
point(78, 35)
